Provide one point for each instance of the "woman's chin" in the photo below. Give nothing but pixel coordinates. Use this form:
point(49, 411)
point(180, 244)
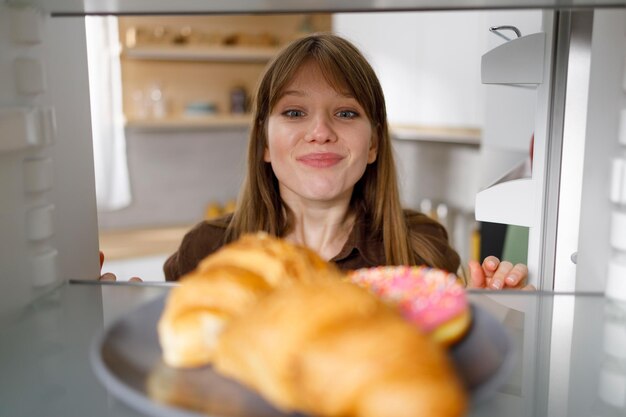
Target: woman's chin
point(316, 191)
point(321, 195)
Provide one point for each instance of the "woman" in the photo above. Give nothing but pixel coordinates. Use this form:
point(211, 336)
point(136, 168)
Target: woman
point(321, 173)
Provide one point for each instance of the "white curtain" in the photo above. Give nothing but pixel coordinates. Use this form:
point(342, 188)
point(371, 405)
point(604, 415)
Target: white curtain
point(107, 119)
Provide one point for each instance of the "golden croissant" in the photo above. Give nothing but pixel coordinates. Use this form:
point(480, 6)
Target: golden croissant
point(280, 320)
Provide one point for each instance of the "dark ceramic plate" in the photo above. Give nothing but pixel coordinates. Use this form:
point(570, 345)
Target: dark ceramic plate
point(126, 358)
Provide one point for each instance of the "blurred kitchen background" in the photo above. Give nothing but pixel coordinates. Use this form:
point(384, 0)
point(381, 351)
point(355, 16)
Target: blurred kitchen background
point(170, 100)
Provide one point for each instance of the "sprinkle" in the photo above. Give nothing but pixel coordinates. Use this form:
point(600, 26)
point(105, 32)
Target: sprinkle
point(426, 296)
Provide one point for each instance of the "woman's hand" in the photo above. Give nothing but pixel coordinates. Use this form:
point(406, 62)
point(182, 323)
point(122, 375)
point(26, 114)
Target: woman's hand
point(108, 276)
point(111, 277)
point(494, 274)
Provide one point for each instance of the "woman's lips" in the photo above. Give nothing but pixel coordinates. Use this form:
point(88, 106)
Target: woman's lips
point(320, 160)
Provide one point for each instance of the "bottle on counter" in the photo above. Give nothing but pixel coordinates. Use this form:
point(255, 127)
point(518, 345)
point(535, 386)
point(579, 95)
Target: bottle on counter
point(238, 100)
point(426, 207)
point(140, 105)
point(442, 215)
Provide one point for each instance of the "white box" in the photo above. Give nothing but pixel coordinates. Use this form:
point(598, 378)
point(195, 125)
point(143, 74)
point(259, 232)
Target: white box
point(26, 25)
point(618, 181)
point(47, 125)
point(618, 230)
point(616, 280)
point(612, 387)
point(614, 339)
point(18, 128)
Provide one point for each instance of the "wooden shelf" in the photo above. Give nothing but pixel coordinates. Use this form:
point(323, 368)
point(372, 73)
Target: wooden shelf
point(221, 53)
point(191, 122)
point(201, 53)
point(439, 134)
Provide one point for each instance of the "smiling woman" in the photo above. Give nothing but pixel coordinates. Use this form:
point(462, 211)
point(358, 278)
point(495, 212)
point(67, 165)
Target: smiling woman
point(321, 171)
point(319, 144)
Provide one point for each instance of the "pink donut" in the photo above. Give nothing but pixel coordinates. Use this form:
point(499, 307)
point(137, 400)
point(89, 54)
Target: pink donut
point(431, 298)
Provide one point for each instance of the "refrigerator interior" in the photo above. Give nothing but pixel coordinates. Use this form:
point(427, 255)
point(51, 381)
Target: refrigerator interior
point(50, 226)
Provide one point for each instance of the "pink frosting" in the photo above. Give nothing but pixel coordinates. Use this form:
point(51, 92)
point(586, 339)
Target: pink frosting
point(426, 296)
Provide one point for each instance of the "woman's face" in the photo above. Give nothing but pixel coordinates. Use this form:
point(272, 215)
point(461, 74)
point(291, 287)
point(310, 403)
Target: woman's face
point(319, 140)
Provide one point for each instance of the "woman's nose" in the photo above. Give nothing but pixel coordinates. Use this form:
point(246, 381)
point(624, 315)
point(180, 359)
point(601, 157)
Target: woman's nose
point(321, 130)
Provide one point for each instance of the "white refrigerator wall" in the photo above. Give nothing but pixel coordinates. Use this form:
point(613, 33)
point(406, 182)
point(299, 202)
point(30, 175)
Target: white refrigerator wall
point(428, 63)
point(48, 218)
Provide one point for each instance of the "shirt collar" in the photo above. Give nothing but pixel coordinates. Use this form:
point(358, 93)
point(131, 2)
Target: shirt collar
point(367, 244)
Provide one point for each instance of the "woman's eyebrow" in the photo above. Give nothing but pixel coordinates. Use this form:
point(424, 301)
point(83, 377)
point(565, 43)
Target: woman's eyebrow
point(301, 93)
point(345, 94)
point(297, 93)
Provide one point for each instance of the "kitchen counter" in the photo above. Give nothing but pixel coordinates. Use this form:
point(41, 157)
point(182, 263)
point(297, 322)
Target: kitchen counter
point(134, 243)
point(570, 361)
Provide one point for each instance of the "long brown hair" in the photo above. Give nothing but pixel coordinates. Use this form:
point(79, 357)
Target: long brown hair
point(375, 195)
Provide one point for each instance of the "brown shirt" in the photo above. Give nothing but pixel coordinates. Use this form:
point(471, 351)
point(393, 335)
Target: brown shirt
point(363, 248)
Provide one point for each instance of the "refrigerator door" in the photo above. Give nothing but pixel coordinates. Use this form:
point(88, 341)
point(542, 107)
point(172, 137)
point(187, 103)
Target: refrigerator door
point(48, 218)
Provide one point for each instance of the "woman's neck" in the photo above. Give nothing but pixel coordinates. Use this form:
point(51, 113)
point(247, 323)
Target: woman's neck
point(324, 228)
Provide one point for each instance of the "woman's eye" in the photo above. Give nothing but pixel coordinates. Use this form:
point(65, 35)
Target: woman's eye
point(293, 113)
point(347, 114)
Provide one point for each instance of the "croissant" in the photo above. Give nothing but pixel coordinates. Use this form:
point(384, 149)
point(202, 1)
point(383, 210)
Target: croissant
point(330, 348)
point(225, 285)
point(275, 260)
